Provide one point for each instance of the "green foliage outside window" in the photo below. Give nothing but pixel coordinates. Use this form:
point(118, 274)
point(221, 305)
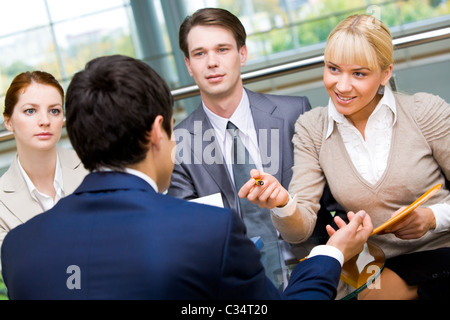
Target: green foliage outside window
point(311, 24)
point(3, 295)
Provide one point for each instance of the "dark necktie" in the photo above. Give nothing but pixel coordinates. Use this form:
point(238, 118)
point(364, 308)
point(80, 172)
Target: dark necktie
point(256, 219)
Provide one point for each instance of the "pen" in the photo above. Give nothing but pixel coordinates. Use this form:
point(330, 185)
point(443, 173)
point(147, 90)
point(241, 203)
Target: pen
point(259, 182)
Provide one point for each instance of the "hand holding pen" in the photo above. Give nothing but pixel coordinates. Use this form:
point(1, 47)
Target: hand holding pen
point(264, 190)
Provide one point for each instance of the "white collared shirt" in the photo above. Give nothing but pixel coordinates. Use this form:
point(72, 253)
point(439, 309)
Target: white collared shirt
point(243, 119)
point(143, 176)
point(45, 201)
point(134, 172)
point(369, 155)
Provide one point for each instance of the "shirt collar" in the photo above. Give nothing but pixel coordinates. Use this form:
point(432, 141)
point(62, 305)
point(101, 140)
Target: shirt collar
point(334, 116)
point(239, 118)
point(143, 176)
point(136, 173)
point(57, 182)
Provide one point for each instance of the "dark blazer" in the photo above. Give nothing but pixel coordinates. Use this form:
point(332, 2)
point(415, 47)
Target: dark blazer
point(116, 238)
point(197, 178)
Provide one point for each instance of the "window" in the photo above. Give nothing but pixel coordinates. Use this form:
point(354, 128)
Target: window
point(60, 36)
point(276, 27)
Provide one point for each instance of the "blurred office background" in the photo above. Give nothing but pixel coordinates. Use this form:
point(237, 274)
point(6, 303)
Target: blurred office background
point(60, 36)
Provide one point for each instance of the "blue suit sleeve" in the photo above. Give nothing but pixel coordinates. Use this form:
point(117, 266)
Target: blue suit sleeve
point(242, 274)
point(314, 279)
point(243, 277)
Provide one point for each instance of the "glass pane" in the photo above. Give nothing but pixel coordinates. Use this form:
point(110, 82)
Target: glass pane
point(396, 14)
point(64, 9)
point(291, 25)
point(101, 34)
point(28, 51)
point(193, 5)
point(19, 15)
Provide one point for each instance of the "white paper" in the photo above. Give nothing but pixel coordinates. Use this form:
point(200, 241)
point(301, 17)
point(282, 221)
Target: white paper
point(212, 200)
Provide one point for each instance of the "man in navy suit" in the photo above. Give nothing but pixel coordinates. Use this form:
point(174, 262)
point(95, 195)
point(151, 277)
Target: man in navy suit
point(118, 237)
point(213, 41)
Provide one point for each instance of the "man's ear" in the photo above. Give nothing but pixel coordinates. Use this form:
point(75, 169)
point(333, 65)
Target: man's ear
point(243, 53)
point(156, 133)
point(188, 65)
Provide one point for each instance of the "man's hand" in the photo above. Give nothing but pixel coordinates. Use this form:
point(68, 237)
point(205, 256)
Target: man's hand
point(269, 195)
point(350, 238)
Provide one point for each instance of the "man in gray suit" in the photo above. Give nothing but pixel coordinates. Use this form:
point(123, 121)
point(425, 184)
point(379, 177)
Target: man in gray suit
point(213, 41)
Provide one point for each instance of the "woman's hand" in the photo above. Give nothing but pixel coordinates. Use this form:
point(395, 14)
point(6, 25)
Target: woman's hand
point(350, 238)
point(269, 195)
point(415, 225)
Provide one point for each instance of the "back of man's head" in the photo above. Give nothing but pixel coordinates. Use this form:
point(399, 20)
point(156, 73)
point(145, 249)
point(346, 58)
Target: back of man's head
point(110, 108)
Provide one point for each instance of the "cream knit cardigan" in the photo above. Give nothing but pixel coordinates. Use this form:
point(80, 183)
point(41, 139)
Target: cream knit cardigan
point(419, 159)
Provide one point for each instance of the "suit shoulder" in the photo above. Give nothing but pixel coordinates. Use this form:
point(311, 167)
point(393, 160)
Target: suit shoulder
point(4, 178)
point(287, 102)
point(69, 158)
point(184, 123)
point(10, 177)
point(188, 121)
point(279, 97)
point(282, 101)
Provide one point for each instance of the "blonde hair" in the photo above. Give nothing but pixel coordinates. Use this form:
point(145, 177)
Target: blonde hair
point(362, 40)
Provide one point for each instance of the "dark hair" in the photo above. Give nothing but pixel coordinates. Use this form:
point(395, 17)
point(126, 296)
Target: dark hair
point(212, 17)
point(111, 107)
point(23, 81)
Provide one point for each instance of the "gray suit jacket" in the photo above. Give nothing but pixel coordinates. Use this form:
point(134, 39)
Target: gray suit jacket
point(16, 204)
point(195, 176)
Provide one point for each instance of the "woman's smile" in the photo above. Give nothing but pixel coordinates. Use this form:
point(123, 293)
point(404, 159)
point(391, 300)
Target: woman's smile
point(344, 100)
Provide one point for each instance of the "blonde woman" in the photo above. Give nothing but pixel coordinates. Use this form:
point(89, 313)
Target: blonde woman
point(41, 173)
point(378, 151)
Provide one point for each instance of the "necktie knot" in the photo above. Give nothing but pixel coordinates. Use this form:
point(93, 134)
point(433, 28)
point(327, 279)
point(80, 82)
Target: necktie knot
point(231, 127)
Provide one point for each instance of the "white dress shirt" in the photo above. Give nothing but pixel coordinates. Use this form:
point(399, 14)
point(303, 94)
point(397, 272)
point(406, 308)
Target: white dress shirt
point(243, 119)
point(143, 176)
point(369, 156)
point(45, 201)
point(134, 172)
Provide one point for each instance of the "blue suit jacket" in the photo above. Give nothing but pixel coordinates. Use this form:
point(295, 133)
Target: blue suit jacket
point(116, 238)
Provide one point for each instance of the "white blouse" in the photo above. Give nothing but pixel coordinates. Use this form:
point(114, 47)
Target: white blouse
point(369, 156)
point(45, 201)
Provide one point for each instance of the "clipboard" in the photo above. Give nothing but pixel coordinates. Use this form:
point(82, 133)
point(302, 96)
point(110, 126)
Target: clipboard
point(405, 212)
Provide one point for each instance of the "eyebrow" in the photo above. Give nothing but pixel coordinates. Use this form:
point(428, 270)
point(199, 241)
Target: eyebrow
point(219, 45)
point(356, 69)
point(36, 105)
